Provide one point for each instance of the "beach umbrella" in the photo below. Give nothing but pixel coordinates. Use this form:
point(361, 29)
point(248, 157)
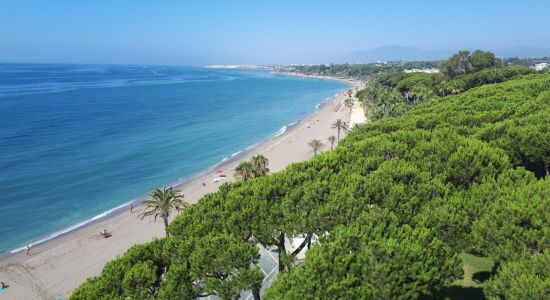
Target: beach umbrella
point(219, 172)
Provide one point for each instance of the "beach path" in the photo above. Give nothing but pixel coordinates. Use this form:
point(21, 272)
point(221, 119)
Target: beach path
point(357, 115)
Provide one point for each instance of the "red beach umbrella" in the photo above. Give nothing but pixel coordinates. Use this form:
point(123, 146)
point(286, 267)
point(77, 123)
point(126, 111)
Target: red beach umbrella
point(218, 172)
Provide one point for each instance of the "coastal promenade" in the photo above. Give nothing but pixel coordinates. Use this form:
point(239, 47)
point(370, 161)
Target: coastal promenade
point(54, 269)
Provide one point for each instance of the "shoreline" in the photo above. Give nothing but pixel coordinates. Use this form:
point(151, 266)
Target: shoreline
point(136, 202)
point(57, 266)
point(346, 80)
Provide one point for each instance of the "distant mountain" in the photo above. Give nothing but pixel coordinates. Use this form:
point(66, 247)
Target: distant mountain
point(398, 53)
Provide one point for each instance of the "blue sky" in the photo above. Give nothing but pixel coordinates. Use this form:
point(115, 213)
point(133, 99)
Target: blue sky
point(257, 32)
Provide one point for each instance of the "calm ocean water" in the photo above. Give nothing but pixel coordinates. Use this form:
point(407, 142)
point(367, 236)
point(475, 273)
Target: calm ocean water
point(79, 140)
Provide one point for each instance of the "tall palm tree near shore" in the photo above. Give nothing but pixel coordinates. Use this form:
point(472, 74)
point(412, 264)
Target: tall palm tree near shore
point(348, 103)
point(315, 145)
point(331, 139)
point(245, 170)
point(161, 203)
point(339, 125)
point(260, 163)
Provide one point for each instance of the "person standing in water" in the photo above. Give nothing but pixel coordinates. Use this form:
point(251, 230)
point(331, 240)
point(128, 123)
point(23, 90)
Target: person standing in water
point(27, 250)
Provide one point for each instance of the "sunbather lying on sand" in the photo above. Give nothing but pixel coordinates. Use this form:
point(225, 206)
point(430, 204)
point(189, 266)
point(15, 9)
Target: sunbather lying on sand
point(104, 233)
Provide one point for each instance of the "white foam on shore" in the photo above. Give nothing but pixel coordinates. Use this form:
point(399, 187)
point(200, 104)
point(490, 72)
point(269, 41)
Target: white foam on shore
point(230, 156)
point(236, 153)
point(72, 228)
point(281, 131)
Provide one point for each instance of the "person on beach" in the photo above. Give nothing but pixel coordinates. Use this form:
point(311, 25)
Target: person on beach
point(27, 250)
point(131, 208)
point(105, 234)
point(3, 285)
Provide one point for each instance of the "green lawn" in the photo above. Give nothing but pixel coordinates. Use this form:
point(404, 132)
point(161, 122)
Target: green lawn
point(476, 271)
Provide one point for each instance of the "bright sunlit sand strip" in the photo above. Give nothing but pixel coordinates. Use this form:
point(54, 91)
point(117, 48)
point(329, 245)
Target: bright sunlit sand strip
point(357, 115)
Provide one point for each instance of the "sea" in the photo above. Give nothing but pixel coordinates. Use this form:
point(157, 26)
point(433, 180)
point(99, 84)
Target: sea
point(79, 141)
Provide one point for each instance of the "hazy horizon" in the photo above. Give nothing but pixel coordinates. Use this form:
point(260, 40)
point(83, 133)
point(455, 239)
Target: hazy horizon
point(245, 32)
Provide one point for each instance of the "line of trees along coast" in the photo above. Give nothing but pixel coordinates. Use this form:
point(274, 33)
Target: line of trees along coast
point(392, 94)
point(360, 71)
point(356, 70)
point(394, 206)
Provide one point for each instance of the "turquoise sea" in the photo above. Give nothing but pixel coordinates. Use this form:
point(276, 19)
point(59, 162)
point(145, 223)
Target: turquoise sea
point(77, 141)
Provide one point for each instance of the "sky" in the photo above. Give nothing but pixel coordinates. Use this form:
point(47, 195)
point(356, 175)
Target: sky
point(204, 32)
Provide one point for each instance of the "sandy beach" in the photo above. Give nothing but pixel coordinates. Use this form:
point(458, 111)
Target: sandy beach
point(54, 269)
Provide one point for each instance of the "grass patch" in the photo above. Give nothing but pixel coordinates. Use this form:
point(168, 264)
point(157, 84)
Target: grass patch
point(476, 271)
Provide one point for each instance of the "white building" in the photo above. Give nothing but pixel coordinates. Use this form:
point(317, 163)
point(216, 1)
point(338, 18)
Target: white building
point(432, 70)
point(541, 66)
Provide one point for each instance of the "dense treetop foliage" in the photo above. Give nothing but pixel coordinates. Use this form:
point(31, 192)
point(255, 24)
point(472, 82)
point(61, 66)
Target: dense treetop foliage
point(392, 94)
point(374, 258)
point(392, 207)
point(465, 82)
point(525, 278)
point(465, 62)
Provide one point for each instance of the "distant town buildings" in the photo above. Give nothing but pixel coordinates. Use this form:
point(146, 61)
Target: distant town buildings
point(430, 70)
point(239, 67)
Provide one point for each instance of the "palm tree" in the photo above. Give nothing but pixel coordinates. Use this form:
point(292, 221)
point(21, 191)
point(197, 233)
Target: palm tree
point(339, 125)
point(260, 163)
point(331, 139)
point(348, 103)
point(244, 170)
point(161, 203)
point(315, 145)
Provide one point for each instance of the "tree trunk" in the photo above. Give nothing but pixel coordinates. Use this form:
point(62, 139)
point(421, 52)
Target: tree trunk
point(165, 219)
point(282, 251)
point(302, 245)
point(338, 134)
point(256, 294)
